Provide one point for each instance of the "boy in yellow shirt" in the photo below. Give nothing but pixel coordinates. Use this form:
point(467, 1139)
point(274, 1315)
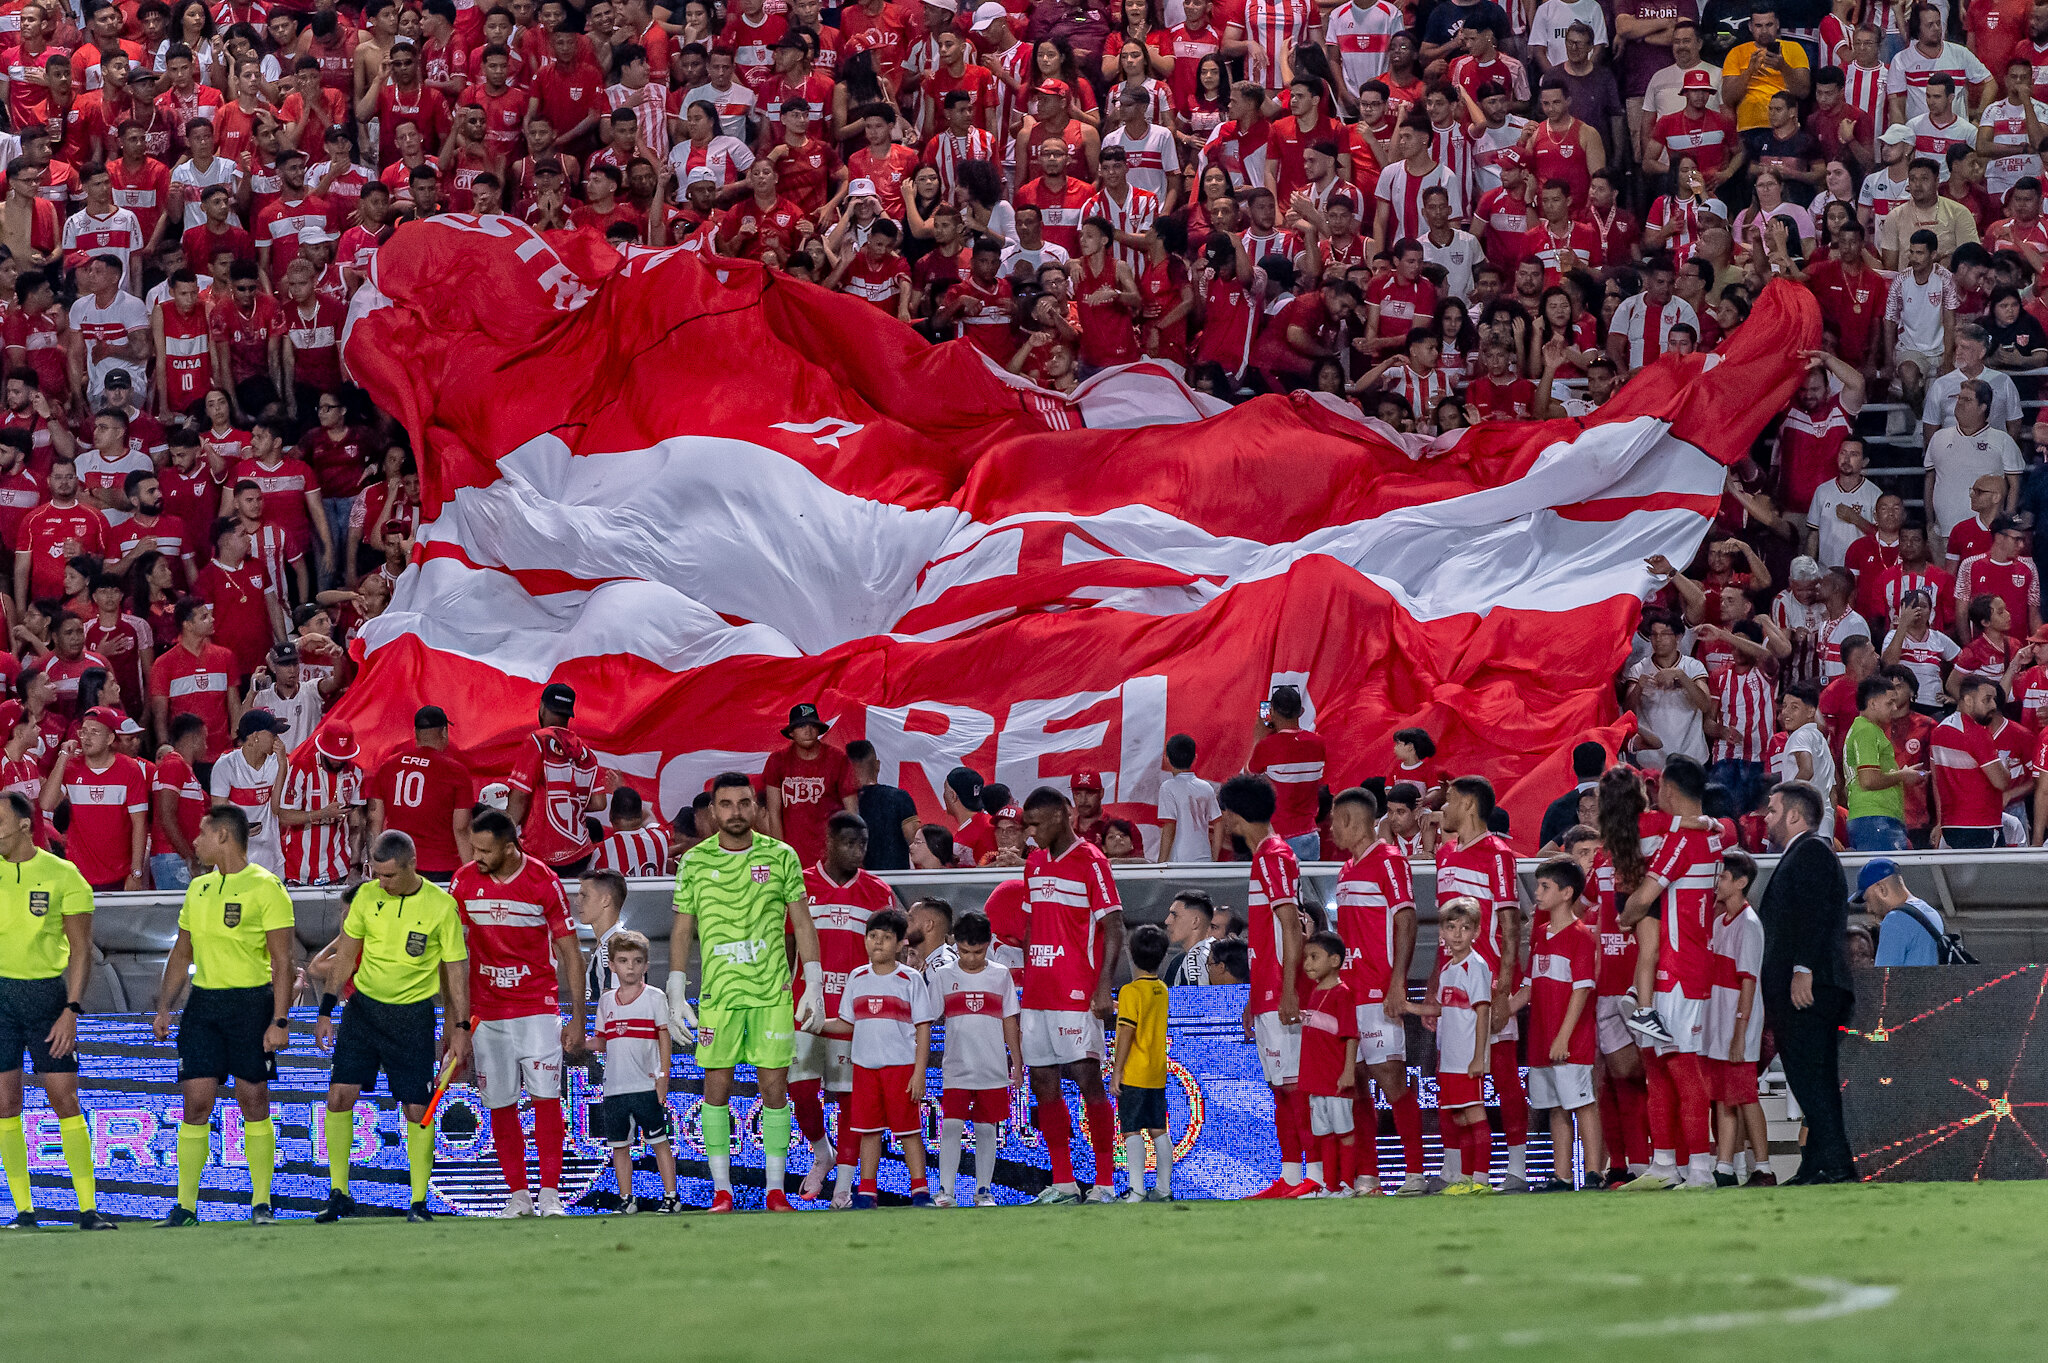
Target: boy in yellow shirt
point(1139, 1077)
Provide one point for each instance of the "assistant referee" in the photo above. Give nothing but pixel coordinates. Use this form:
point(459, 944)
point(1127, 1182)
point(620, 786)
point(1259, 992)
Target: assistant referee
point(235, 941)
point(408, 937)
point(45, 956)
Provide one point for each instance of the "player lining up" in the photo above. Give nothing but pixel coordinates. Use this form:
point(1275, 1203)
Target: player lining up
point(632, 1031)
point(888, 1010)
point(1461, 1001)
point(984, 1055)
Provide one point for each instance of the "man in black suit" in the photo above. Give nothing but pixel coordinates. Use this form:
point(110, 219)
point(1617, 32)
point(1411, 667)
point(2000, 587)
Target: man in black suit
point(1589, 760)
point(1805, 981)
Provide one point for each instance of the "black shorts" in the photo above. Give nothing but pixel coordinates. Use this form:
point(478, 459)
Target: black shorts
point(28, 1010)
point(220, 1035)
point(625, 1113)
point(397, 1038)
point(1140, 1110)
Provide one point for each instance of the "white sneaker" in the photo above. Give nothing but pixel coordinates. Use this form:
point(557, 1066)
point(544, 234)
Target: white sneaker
point(551, 1203)
point(1415, 1185)
point(1339, 1191)
point(1100, 1195)
point(842, 1199)
point(1366, 1186)
point(1696, 1179)
point(814, 1182)
point(943, 1200)
point(984, 1198)
point(1133, 1197)
point(519, 1204)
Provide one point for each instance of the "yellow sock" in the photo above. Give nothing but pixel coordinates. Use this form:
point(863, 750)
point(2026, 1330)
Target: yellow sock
point(195, 1147)
point(419, 1156)
point(341, 1137)
point(259, 1141)
point(14, 1156)
point(77, 1141)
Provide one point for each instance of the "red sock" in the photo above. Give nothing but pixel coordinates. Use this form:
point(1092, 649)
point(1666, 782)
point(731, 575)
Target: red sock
point(846, 1151)
point(1347, 1162)
point(1610, 1121)
point(1365, 1135)
point(1663, 1102)
point(806, 1102)
point(1102, 1139)
point(1634, 1100)
point(1695, 1106)
point(867, 1185)
point(1478, 1150)
point(1057, 1126)
point(549, 1137)
point(1513, 1098)
point(510, 1142)
point(1333, 1164)
point(1304, 1129)
point(1285, 1127)
point(1408, 1123)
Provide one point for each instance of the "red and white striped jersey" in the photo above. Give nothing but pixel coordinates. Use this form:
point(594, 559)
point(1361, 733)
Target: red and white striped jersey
point(1863, 90)
point(1259, 245)
point(1422, 390)
point(630, 1035)
point(1649, 330)
point(1275, 25)
point(1685, 213)
point(1371, 890)
point(945, 153)
point(1067, 897)
point(1158, 102)
point(1748, 706)
point(840, 913)
point(1452, 148)
point(1016, 63)
point(1834, 42)
point(1135, 214)
point(650, 113)
point(318, 853)
point(640, 851)
point(885, 1011)
point(1401, 190)
point(1361, 34)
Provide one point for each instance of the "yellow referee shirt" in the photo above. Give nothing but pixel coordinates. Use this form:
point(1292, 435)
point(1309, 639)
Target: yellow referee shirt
point(36, 896)
point(230, 917)
point(1141, 1005)
point(405, 938)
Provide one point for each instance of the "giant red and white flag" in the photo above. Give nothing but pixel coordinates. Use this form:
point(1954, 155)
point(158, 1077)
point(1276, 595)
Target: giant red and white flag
point(699, 493)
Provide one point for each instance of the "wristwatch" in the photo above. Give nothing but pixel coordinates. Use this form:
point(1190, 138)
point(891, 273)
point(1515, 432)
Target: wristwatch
point(466, 1024)
point(282, 1024)
point(75, 1007)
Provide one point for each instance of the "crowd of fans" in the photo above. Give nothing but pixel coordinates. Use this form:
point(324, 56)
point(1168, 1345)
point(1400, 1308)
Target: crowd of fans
point(1443, 214)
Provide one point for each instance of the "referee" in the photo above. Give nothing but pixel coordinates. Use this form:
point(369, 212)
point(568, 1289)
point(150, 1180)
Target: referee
point(408, 936)
point(235, 941)
point(45, 955)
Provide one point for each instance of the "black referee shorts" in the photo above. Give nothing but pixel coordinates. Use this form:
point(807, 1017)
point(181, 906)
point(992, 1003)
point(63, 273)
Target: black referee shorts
point(397, 1038)
point(28, 1010)
point(220, 1035)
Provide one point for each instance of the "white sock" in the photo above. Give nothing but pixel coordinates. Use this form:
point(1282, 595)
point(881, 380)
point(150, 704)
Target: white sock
point(1314, 1172)
point(1518, 1161)
point(721, 1172)
point(950, 1131)
point(1134, 1160)
point(1664, 1159)
point(1639, 1168)
point(1162, 1160)
point(988, 1141)
point(1720, 1168)
point(1290, 1172)
point(842, 1178)
point(821, 1152)
point(1702, 1165)
point(1454, 1165)
point(1745, 1164)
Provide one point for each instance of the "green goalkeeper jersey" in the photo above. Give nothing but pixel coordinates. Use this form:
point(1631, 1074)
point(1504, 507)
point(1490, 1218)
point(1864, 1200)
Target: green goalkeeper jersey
point(740, 901)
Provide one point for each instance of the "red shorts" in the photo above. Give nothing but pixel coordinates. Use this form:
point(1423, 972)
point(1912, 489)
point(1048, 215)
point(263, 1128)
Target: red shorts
point(975, 1105)
point(1458, 1090)
point(882, 1101)
point(1733, 1081)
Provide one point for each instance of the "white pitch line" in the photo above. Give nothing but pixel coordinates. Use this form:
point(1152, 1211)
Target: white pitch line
point(1839, 1299)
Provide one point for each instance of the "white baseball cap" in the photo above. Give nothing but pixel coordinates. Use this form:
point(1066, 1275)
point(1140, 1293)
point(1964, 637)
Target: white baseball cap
point(702, 175)
point(988, 14)
point(950, 6)
point(1898, 134)
point(862, 189)
point(495, 795)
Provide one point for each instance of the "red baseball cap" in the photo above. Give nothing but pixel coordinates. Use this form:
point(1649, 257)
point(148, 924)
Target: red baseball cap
point(107, 715)
point(11, 715)
point(1055, 87)
point(1511, 156)
point(1010, 812)
point(1087, 780)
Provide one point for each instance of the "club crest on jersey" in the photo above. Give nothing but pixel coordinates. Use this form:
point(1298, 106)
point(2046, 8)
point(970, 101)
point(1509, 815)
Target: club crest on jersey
point(760, 874)
point(415, 944)
point(38, 903)
point(231, 914)
point(874, 1003)
point(973, 1002)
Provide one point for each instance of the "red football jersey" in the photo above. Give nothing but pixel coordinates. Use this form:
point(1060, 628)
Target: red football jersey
point(1686, 861)
point(841, 913)
point(421, 789)
point(1293, 760)
point(512, 926)
point(559, 771)
point(1328, 1016)
point(1559, 963)
point(1275, 880)
point(1371, 890)
point(1068, 896)
point(103, 805)
point(812, 790)
point(1485, 871)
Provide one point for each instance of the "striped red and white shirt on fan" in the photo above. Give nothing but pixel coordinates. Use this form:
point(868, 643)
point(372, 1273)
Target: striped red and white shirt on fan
point(1452, 149)
point(1401, 190)
point(947, 151)
point(1015, 63)
point(1274, 25)
point(634, 852)
point(650, 112)
point(1134, 215)
point(1422, 391)
point(1649, 330)
point(1748, 705)
point(1863, 89)
point(1684, 214)
point(318, 852)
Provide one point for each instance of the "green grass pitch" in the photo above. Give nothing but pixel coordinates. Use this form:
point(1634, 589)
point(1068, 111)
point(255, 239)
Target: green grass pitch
point(1944, 1272)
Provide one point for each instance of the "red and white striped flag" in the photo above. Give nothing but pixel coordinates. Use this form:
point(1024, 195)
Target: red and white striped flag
point(699, 492)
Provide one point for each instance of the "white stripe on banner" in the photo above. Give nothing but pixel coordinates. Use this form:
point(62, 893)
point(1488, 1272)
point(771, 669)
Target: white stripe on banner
point(699, 528)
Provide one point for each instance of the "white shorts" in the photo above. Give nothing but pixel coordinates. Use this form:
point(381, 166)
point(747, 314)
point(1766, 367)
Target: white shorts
point(1060, 1038)
point(1328, 1116)
point(1610, 1022)
point(1380, 1038)
point(825, 1058)
point(1279, 1048)
point(509, 1054)
point(1685, 1019)
point(1566, 1086)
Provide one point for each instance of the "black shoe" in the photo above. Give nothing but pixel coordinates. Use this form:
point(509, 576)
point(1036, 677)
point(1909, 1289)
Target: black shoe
point(1617, 1177)
point(94, 1221)
point(339, 1204)
point(1825, 1176)
point(24, 1221)
point(178, 1218)
point(1552, 1185)
point(1722, 1180)
point(1804, 1178)
point(261, 1215)
point(418, 1212)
